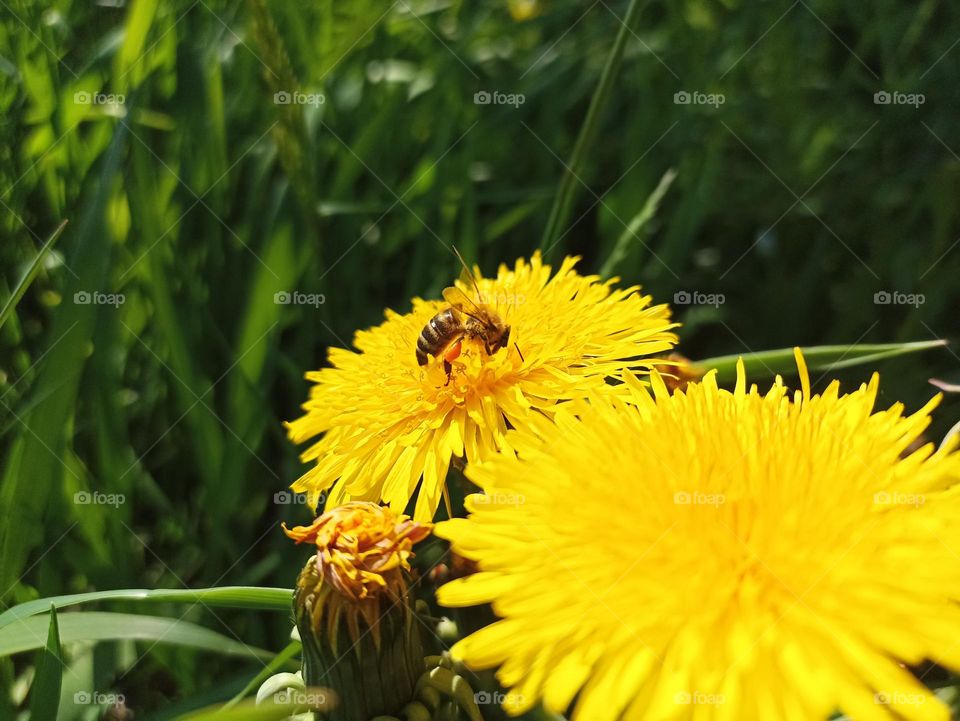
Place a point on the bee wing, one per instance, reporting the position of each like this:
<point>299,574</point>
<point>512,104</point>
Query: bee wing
<point>454,296</point>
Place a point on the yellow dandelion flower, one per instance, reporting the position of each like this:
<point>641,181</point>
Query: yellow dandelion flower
<point>386,422</point>
<point>710,554</point>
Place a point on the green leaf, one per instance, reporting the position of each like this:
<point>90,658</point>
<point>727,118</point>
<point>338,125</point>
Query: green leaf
<point>25,635</point>
<point>29,275</point>
<point>45,691</point>
<point>269,599</point>
<point>767,364</point>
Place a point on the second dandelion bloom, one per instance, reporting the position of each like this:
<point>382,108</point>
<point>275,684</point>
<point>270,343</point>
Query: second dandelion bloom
<point>385,422</point>
<point>717,555</point>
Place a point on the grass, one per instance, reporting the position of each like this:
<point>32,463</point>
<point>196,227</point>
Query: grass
<point>194,197</point>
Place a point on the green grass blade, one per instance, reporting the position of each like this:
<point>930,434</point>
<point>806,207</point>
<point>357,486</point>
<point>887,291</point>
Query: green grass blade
<point>271,668</point>
<point>29,275</point>
<point>254,597</point>
<point>45,690</point>
<point>247,712</point>
<point>27,634</point>
<point>826,358</point>
<point>631,232</point>
<point>129,61</point>
<point>29,481</point>
<point>563,202</point>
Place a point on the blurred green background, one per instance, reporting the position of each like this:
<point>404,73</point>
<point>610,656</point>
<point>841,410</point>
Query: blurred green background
<point>210,155</point>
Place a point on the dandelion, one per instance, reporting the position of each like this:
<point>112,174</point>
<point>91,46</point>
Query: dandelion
<point>717,555</point>
<point>353,608</point>
<point>386,422</point>
<point>357,620</point>
<point>363,553</point>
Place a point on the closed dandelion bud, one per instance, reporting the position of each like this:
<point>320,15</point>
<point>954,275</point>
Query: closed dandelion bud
<point>354,612</point>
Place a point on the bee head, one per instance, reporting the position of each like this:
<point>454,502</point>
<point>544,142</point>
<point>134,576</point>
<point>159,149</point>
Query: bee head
<point>499,334</point>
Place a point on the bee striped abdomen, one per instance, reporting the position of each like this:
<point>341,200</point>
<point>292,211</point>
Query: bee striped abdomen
<point>437,334</point>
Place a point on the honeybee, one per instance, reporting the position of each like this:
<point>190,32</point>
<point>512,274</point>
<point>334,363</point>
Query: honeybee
<point>465,318</point>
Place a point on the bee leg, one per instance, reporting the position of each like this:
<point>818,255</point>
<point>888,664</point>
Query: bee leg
<point>451,355</point>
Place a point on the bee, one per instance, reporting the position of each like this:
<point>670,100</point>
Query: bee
<point>465,318</point>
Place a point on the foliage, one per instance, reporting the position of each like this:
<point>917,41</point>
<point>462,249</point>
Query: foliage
<point>147,370</point>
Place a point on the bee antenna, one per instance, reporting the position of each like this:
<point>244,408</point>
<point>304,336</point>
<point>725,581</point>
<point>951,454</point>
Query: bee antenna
<point>473,280</point>
<point>524,360</point>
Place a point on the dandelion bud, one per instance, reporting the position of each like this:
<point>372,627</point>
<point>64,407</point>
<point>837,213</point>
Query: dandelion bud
<point>354,612</point>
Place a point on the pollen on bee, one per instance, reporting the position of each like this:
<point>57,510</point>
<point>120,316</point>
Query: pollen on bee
<point>453,352</point>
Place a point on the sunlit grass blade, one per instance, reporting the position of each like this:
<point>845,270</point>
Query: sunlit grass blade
<point>766,364</point>
<point>278,662</point>
<point>29,275</point>
<point>45,690</point>
<point>571,178</point>
<point>36,466</point>
<point>254,597</point>
<point>631,232</point>
<point>28,634</point>
<point>249,711</point>
<point>129,65</point>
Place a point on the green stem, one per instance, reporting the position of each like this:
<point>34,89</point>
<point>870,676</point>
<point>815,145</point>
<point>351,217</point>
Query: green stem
<point>563,202</point>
